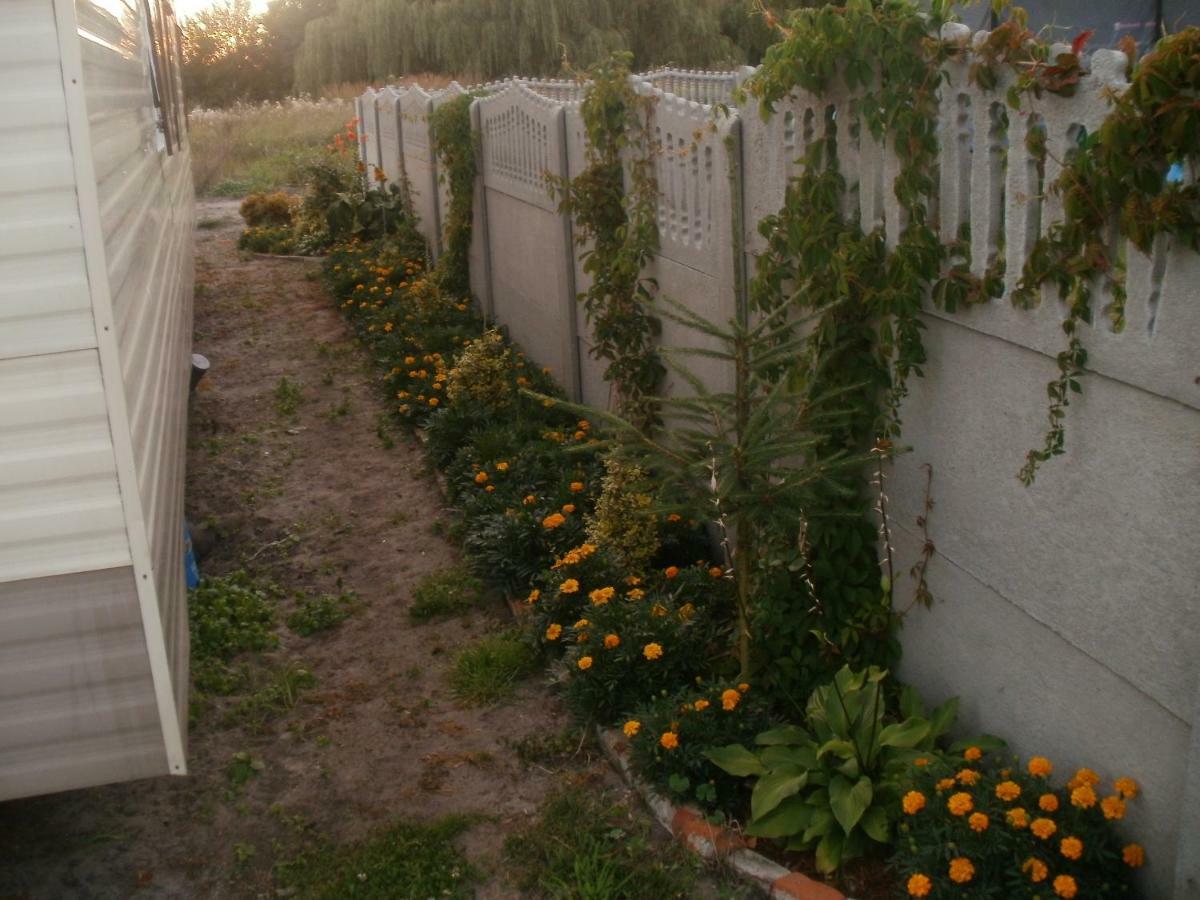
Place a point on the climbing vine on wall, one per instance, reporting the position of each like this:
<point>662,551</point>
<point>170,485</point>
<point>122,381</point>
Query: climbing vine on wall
<point>454,143</point>
<point>615,220</point>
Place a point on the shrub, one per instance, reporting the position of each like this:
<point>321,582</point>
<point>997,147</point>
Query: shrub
<point>268,239</point>
<point>274,208</point>
<point>986,827</point>
<point>624,522</point>
<point>483,372</point>
<point>320,613</point>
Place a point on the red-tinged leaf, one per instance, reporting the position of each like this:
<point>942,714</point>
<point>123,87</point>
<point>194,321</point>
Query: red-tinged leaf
<point>1080,42</point>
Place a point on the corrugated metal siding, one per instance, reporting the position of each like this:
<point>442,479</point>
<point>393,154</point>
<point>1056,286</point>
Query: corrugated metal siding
<point>45,306</point>
<point>146,213</point>
<point>77,704</point>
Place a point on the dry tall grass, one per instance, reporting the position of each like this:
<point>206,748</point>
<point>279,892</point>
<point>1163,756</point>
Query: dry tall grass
<point>260,147</point>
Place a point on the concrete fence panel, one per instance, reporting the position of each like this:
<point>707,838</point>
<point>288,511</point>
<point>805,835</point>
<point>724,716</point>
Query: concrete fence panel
<point>420,164</point>
<point>390,126</point>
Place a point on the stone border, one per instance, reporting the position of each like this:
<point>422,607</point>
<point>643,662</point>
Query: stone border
<point>712,841</point>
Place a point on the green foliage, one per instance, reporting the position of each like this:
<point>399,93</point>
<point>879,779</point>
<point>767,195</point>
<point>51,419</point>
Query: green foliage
<point>486,672</point>
<point>455,144</point>
<point>700,717</point>
<point>403,861</point>
<point>624,521</point>
<point>835,788</point>
<point>484,373</point>
<point>289,395</point>
<point>321,612</point>
<point>273,208</point>
<point>274,691</point>
<point>280,239</point>
<point>228,615</point>
<point>583,847</point>
<point>617,220</point>
<point>992,831</point>
<point>367,214</point>
<point>444,594</point>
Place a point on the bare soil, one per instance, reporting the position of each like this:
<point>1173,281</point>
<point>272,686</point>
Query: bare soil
<point>325,500</point>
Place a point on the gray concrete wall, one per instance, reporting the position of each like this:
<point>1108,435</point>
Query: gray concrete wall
<point>420,164</point>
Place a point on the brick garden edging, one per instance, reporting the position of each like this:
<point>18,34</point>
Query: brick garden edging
<point>712,841</point>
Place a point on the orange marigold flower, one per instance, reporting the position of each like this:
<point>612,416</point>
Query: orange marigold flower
<point>611,641</point>
<point>1043,828</point>
<point>978,822</point>
<point>632,579</point>
<point>701,705</point>
<point>491,488</point>
<point>669,740</point>
<point>972,753</point>
<point>730,699</point>
<point>533,596</point>
<point>674,517</point>
<point>1035,869</point>
<point>600,596</point>
<point>744,686</point>
<point>919,885</point>
<point>1064,886</point>
<point>632,727</point>
<point>1008,791</point>
<point>1126,787</point>
<point>1048,802</point>
<point>636,594</point>
<point>568,508</point>
<point>554,520</point>
<point>671,571</point>
<point>582,623</point>
<point>960,804</point>
<point>716,572</point>
<point>1134,855</point>
<point>652,651</point>
<point>921,762</point>
<point>576,487</point>
<point>502,467</point>
<point>1017,818</point>
<point>1113,807</point>
<point>962,870</point>
<point>481,477</point>
<point>658,610</point>
<point>585,663</point>
<point>570,586</point>
<point>434,401</point>
<point>945,784</point>
<point>1040,767</point>
<point>1071,847</point>
<point>1083,776</point>
<point>1083,797</point>
<point>553,632</point>
<point>913,802</point>
<point>967,777</point>
<point>529,500</point>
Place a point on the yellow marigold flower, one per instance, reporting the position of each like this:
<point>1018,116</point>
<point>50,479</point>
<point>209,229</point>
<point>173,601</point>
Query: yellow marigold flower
<point>652,651</point>
<point>632,727</point>
<point>1064,886</point>
<point>611,641</point>
<point>481,477</point>
<point>701,705</point>
<point>554,632</point>
<point>1035,869</point>
<point>913,802</point>
<point>501,467</point>
<point>1017,818</point>
<point>570,586</point>
<point>978,822</point>
<point>1043,828</point>
<point>568,508</point>
<point>921,762</point>
<point>1126,787</point>
<point>1008,791</point>
<point>962,870</point>
<point>533,596</point>
<point>945,784</point>
<point>636,594</point>
<point>960,804</point>
<point>529,500</point>
<point>1071,847</point>
<point>554,520</point>
<point>716,572</point>
<point>576,487</point>
<point>743,687</point>
<point>1134,855</point>
<point>730,699</point>
<point>1113,807</point>
<point>582,623</point>
<point>919,885</point>
<point>1040,767</point>
<point>972,753</point>
<point>669,740</point>
<point>1048,802</point>
<point>1083,797</point>
<point>600,596</point>
<point>671,571</point>
<point>585,663</point>
<point>967,777</point>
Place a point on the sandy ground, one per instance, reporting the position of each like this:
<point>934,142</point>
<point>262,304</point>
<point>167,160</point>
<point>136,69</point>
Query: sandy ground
<point>316,502</point>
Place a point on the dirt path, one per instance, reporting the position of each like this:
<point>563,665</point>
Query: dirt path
<point>325,500</point>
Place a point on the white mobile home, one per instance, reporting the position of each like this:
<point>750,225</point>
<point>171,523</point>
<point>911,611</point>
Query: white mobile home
<point>95,336</point>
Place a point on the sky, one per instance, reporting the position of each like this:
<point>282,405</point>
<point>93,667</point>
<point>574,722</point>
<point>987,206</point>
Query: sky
<point>186,8</point>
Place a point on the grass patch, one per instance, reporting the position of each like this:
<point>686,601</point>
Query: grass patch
<point>553,750</point>
<point>321,612</point>
<point>585,849</point>
<point>208,224</point>
<point>445,593</point>
<point>276,691</point>
<point>405,861</point>
<point>228,615</point>
<point>288,397</point>
<point>487,672</point>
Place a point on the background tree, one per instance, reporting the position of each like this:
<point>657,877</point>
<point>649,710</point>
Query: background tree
<point>225,56</point>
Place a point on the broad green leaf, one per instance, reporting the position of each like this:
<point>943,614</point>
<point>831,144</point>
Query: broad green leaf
<point>942,718</point>
<point>804,757</point>
<point>773,788</point>
<point>822,823</point>
<point>875,823</point>
<point>910,703</point>
<point>736,760</point>
<point>849,799</point>
<point>906,734</point>
<point>829,853</point>
<point>786,734</point>
<point>988,743</point>
<point>838,747</point>
<point>789,818</point>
